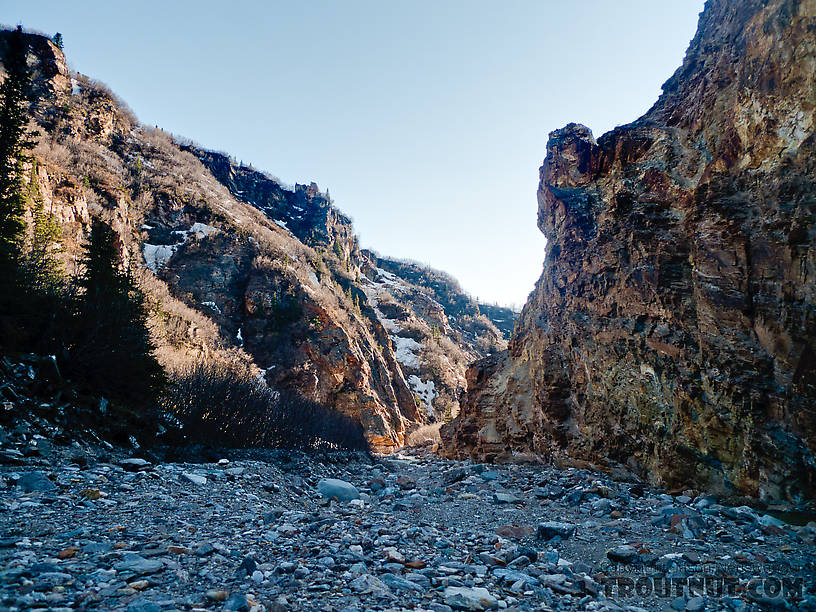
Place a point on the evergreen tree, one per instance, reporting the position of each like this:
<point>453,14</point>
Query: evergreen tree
<point>58,40</point>
<point>42,272</point>
<point>15,142</point>
<point>113,351</point>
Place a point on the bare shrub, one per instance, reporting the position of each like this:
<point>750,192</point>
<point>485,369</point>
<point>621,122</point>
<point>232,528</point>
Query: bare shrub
<point>223,406</point>
<point>424,435</point>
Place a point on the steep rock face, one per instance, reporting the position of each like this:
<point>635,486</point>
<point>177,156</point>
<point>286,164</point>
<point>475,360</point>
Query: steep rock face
<point>673,329</point>
<point>305,210</point>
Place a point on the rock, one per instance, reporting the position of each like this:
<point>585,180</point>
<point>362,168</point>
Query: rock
<point>135,464</point>
<point>237,602</point>
<point>333,488</point>
<point>195,479</point>
<point>367,584</point>
<point>143,605</point>
<point>695,604</point>
<point>465,598</point>
<point>35,481</point>
<point>551,529</point>
<point>505,498</point>
<point>247,567</point>
<point>769,521</point>
<point>396,583</point>
<point>392,555</point>
<point>138,565</point>
<point>623,554</point>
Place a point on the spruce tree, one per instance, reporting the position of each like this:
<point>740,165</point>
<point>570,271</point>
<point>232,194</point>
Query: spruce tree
<point>42,271</point>
<point>58,40</point>
<point>113,351</point>
<point>15,142</point>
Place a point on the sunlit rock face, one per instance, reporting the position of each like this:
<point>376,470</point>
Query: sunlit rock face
<point>673,330</point>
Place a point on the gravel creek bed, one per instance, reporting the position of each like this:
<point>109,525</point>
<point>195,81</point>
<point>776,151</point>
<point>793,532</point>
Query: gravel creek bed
<point>99,530</point>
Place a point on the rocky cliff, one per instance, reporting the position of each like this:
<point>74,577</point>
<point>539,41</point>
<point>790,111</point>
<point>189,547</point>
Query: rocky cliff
<point>240,268</point>
<point>673,329</point>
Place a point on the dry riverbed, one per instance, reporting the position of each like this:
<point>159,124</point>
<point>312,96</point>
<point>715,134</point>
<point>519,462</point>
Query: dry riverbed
<point>103,531</point>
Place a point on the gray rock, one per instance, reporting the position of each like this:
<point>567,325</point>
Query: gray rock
<point>505,498</point>
<point>97,547</point>
<point>466,598</point>
<point>623,554</point>
<point>695,604</point>
<point>551,529</point>
<point>370,585</point>
<point>334,488</point>
<point>196,479</point>
<point>393,581</point>
<point>237,602</point>
<point>35,481</point>
<point>139,565</point>
<point>143,605</point>
<point>509,575</point>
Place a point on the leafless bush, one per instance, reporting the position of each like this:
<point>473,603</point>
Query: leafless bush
<point>223,406</point>
<point>424,435</point>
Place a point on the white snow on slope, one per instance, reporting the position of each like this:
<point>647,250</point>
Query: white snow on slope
<point>426,390</point>
<point>405,348</point>
<point>157,255</point>
<point>212,305</point>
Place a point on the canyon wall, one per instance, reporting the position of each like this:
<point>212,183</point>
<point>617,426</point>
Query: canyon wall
<point>673,330</point>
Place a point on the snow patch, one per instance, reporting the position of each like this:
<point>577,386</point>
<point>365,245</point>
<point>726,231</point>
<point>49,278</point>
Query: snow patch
<point>313,278</point>
<point>426,390</point>
<point>405,348</point>
<point>199,230</point>
<point>202,230</point>
<point>212,306</point>
<point>157,255</point>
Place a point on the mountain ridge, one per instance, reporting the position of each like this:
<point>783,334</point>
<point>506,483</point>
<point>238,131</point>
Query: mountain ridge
<point>238,267</point>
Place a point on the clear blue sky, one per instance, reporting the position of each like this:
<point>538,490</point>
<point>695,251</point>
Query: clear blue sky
<point>427,120</point>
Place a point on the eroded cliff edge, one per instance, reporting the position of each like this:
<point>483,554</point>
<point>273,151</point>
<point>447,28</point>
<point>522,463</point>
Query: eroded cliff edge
<point>672,330</point>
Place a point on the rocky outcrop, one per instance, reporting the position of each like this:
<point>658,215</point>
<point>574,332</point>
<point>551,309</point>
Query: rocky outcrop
<point>673,330</point>
<point>436,329</point>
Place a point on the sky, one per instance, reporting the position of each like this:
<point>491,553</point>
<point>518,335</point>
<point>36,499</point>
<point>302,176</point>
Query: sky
<point>427,120</point>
